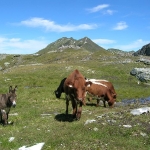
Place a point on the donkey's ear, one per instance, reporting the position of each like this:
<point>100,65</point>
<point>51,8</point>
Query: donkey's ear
<point>10,89</point>
<point>16,87</point>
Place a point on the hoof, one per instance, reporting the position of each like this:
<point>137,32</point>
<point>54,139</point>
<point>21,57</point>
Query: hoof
<point>76,119</point>
<point>11,123</point>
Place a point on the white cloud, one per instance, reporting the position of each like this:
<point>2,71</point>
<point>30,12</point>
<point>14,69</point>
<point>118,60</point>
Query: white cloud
<point>101,8</point>
<point>135,45</point>
<point>18,46</point>
<point>120,26</point>
<point>98,8</point>
<point>52,26</point>
<point>109,12</point>
<point>103,41</point>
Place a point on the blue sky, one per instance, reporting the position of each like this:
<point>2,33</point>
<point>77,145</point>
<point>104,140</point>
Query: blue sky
<point>27,26</point>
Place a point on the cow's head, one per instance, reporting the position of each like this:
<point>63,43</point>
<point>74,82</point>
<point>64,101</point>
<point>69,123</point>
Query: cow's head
<point>78,89</point>
<point>57,94</point>
<point>12,97</point>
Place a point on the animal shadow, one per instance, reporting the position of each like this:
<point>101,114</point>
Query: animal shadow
<point>90,104</point>
<point>64,118</point>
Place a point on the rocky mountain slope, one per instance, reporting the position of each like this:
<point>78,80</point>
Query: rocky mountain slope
<point>65,43</point>
<point>145,50</point>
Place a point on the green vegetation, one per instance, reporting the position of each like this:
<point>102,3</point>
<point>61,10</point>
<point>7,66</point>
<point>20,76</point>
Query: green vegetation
<point>41,117</point>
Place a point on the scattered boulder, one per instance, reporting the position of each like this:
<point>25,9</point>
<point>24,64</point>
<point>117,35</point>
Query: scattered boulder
<point>140,111</point>
<point>6,64</point>
<point>37,146</point>
<point>146,61</point>
<point>142,74</point>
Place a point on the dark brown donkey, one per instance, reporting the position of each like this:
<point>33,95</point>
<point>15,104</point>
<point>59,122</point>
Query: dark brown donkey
<point>6,102</point>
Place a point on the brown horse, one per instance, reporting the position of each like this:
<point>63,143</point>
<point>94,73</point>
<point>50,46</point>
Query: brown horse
<point>6,102</point>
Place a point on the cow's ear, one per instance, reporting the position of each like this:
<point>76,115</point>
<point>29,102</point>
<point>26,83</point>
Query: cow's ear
<point>88,84</point>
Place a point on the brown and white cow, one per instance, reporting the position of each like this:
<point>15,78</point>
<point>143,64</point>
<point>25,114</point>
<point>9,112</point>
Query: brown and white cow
<point>101,89</point>
<point>74,87</point>
<point>105,83</point>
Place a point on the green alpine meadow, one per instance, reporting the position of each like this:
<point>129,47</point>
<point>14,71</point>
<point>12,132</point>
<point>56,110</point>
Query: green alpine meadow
<point>39,117</point>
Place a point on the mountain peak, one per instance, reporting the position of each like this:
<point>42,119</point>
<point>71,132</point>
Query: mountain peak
<point>66,43</point>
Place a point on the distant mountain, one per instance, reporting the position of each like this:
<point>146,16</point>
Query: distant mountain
<point>70,43</point>
<point>145,50</point>
<point>118,51</point>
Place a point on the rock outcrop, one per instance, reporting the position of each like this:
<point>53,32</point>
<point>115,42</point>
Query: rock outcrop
<point>145,50</point>
<point>142,74</point>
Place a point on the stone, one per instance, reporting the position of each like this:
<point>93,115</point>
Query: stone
<point>142,74</point>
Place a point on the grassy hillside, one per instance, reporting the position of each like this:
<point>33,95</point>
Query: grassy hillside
<point>65,43</point>
<point>41,117</point>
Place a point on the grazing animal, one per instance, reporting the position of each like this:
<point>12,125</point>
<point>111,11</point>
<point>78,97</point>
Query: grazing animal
<point>7,101</point>
<point>100,91</point>
<point>60,89</point>
<point>107,83</point>
<point>75,91</point>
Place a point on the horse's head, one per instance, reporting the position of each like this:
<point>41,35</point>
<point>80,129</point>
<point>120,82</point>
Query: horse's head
<point>12,96</point>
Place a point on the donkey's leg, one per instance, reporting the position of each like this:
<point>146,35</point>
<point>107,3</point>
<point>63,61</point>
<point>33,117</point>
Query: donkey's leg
<point>4,120</point>
<point>11,122</point>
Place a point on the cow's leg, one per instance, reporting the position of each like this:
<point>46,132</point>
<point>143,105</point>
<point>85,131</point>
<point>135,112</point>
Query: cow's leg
<point>89,98</point>
<point>78,116</point>
<point>104,102</point>
<point>74,107</point>
<point>98,100</point>
<point>67,104</point>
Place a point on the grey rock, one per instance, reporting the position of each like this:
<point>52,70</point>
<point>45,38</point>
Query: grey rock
<point>145,50</point>
<point>142,74</point>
